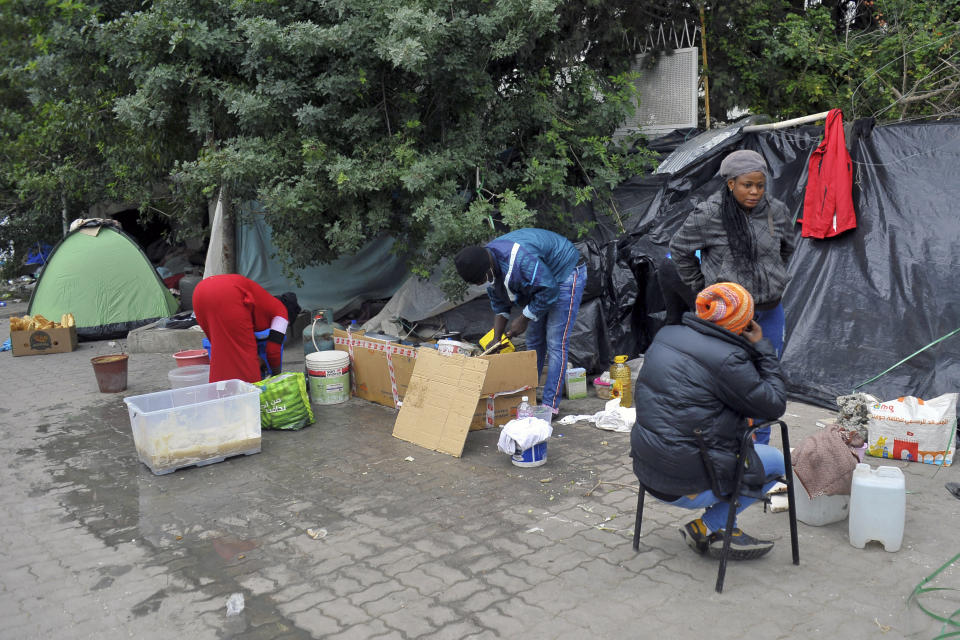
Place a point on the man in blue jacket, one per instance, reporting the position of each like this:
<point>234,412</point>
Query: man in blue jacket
<point>699,383</point>
<point>542,273</point>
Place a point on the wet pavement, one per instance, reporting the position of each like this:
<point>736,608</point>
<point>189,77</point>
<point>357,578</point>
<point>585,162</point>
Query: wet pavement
<point>96,546</point>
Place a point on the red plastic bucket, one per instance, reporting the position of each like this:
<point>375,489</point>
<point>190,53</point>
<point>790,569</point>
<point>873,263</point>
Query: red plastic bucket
<point>191,357</point>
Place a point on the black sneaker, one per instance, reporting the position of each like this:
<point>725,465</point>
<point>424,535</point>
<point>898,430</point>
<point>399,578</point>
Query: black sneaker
<point>742,546</point>
<point>695,533</point>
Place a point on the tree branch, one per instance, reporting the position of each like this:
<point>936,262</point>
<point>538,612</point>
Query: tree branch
<point>917,97</point>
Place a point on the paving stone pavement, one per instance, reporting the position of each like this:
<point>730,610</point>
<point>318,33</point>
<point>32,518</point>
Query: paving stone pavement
<point>93,545</point>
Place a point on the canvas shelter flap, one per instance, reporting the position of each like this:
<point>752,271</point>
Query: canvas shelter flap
<point>374,272</point>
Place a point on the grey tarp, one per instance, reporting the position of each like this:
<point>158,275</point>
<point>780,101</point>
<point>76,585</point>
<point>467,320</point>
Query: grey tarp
<point>373,273</point>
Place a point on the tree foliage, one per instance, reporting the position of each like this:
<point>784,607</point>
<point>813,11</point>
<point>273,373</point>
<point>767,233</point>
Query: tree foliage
<point>430,120</point>
<point>426,120</point>
<point>889,59</point>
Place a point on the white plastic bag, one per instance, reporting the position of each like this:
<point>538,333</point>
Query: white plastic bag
<point>913,429</point>
<point>235,604</point>
<point>616,418</point>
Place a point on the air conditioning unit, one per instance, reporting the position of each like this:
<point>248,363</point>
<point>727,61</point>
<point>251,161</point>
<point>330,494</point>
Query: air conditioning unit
<point>668,94</point>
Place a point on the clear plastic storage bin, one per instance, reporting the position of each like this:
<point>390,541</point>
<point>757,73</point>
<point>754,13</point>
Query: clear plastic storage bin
<point>196,425</point>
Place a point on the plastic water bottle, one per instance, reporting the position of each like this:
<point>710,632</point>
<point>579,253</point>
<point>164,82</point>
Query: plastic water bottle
<point>523,409</point>
<point>620,372</point>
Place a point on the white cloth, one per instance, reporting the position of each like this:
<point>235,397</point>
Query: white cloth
<point>280,324</point>
<point>523,433</point>
<point>612,418</point>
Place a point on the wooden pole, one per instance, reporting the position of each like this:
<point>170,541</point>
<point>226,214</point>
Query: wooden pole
<point>229,232</point>
<point>706,79</point>
<point>64,213</point>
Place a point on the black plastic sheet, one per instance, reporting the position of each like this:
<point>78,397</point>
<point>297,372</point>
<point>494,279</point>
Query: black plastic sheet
<point>589,345</point>
<point>859,303</point>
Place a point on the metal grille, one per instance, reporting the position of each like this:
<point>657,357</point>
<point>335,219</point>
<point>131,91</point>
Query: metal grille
<point>668,94</point>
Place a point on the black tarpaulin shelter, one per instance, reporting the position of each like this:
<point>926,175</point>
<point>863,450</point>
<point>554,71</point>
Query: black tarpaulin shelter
<point>860,303</point>
<point>856,304</point>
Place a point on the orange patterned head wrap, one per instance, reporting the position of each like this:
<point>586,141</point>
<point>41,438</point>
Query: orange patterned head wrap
<point>726,304</point>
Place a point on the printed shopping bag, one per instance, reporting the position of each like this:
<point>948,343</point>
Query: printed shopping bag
<point>284,403</point>
<point>914,429</point>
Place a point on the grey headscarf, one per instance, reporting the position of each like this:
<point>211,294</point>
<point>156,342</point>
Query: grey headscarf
<point>741,162</point>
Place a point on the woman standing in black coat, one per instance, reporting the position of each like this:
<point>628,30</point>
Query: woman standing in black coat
<point>709,373</point>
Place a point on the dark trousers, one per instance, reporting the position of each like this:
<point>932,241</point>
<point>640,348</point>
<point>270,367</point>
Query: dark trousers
<point>678,298</point>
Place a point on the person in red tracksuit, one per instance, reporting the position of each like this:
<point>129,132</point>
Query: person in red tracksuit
<point>229,308</point>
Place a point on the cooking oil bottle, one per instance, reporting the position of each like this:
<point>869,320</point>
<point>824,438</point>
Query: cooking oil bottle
<point>620,372</point>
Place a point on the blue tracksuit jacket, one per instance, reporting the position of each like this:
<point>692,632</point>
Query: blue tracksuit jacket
<point>531,264</point>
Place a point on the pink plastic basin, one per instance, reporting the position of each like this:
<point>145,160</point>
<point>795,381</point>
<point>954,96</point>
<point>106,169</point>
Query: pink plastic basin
<point>191,357</point>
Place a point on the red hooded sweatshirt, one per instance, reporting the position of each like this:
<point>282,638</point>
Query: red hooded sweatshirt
<point>828,202</point>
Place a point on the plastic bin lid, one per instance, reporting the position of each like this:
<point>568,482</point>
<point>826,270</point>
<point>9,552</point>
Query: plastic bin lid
<point>190,371</point>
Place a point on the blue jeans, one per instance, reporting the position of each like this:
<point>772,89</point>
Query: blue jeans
<point>715,516</point>
<point>772,323</point>
<point>551,334</point>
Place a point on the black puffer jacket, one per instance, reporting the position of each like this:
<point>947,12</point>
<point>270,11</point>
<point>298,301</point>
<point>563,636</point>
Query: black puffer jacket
<point>700,375</point>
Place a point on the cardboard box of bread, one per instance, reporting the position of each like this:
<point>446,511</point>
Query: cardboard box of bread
<point>32,336</point>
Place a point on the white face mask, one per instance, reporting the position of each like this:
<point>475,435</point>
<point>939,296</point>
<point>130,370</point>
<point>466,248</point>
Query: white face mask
<point>490,279</point>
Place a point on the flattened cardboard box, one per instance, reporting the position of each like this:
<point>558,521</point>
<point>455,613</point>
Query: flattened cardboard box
<point>369,370</point>
<point>43,341</point>
<point>448,395</point>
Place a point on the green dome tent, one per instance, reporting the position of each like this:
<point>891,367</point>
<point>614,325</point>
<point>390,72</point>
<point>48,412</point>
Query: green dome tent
<point>102,276</point>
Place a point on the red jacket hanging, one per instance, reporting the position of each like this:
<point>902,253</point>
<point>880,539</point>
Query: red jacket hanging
<point>828,202</point>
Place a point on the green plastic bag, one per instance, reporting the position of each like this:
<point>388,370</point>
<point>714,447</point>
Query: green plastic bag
<point>284,403</point>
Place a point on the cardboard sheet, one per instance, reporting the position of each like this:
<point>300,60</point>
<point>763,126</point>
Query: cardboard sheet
<point>449,395</point>
<point>371,362</point>
<point>440,401</point>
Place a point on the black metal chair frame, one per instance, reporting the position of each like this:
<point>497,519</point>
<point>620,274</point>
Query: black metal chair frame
<point>734,499</point>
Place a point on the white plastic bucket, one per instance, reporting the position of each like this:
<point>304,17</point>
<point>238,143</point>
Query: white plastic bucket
<point>328,376</point>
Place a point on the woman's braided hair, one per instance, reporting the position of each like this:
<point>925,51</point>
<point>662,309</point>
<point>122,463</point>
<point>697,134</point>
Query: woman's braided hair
<point>738,232</point>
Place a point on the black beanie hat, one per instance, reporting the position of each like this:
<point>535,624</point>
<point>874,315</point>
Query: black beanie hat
<point>472,264</point>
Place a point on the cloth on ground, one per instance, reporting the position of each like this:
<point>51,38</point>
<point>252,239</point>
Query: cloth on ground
<point>523,434</point>
<point>612,418</point>
<point>824,464</point>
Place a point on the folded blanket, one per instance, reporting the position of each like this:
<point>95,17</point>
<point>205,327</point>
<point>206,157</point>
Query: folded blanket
<point>824,464</point>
